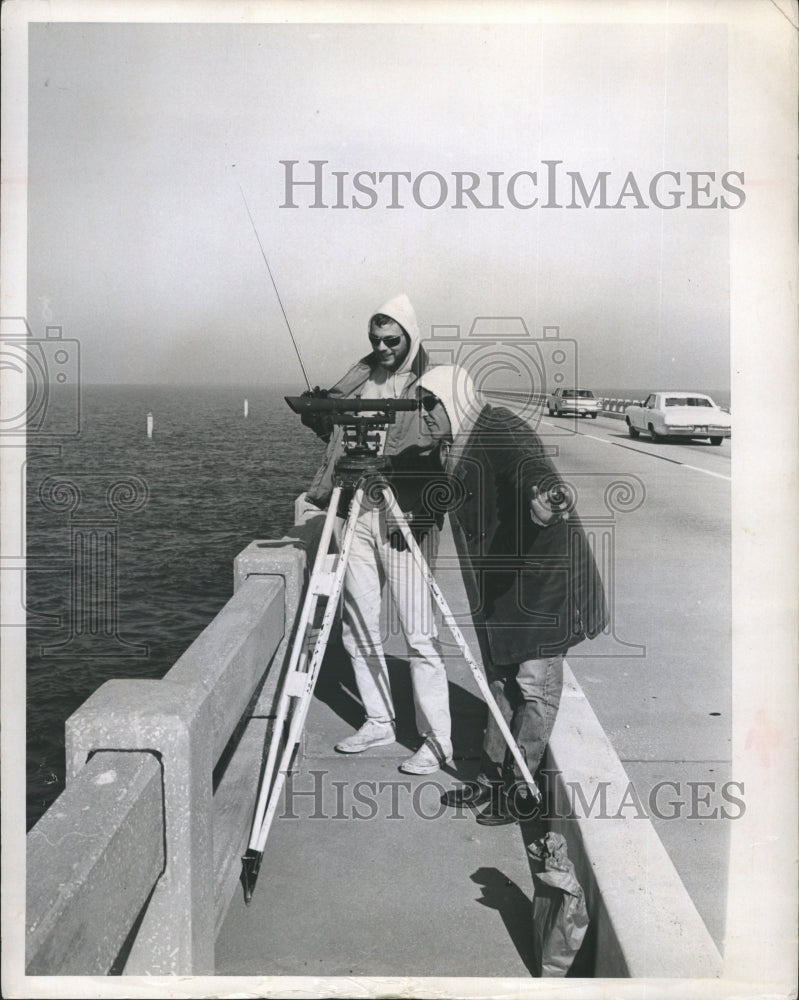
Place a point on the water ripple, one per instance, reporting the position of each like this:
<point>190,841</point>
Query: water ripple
<point>216,481</point>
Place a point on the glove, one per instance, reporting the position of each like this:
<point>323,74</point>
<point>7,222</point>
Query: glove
<point>319,423</point>
<point>315,393</point>
<point>420,528</point>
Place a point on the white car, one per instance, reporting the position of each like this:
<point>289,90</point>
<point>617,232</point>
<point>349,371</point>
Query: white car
<point>678,414</point>
<point>579,401</point>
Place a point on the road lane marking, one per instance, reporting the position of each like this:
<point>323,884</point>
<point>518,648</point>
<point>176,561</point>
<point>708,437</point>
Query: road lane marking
<point>674,461</point>
<point>651,454</point>
<point>707,472</point>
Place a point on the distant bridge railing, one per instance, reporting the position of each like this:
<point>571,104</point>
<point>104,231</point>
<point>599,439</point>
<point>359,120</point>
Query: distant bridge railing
<point>609,407</point>
<point>134,865</point>
<point>615,407</point>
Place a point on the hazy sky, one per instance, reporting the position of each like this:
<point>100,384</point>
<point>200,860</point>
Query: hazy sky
<point>141,248</point>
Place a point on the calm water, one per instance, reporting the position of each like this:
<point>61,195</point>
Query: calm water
<point>214,482</point>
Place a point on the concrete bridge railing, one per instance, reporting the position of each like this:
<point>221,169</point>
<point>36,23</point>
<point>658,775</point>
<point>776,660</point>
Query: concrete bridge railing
<point>610,407</point>
<point>615,407</point>
<point>135,863</point>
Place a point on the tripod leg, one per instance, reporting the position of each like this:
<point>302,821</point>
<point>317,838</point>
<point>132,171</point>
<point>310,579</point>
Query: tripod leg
<point>306,616</point>
<point>299,687</point>
<point>482,683</point>
<point>252,858</point>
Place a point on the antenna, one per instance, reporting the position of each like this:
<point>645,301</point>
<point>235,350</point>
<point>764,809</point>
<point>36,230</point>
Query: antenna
<point>277,293</point>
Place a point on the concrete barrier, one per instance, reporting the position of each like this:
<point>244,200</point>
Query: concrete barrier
<point>83,898</point>
<point>613,408</point>
<point>186,719</point>
<point>201,728</point>
<point>608,405</point>
<point>646,924</point>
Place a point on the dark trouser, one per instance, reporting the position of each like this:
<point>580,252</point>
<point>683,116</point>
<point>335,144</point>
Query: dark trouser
<point>528,696</point>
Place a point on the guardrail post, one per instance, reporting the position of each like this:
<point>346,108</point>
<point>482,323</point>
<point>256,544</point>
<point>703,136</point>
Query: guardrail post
<point>171,720</point>
<point>285,558</point>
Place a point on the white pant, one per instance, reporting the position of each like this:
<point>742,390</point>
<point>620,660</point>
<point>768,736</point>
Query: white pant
<point>372,562</point>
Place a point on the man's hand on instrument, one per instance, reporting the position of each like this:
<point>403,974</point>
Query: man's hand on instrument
<point>550,507</point>
<point>315,393</point>
<point>420,528</point>
<point>396,539</point>
<point>319,423</point>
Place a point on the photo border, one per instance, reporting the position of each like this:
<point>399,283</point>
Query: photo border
<point>761,913</point>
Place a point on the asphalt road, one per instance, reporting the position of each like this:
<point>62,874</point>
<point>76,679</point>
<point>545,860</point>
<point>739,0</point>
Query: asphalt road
<point>664,700</point>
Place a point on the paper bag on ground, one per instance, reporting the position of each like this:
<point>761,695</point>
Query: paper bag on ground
<point>560,917</point>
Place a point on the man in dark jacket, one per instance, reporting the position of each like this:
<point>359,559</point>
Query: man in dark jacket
<point>528,569</point>
<point>379,553</point>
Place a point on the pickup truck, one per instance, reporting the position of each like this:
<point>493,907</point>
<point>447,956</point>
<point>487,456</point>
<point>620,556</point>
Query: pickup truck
<point>666,415</point>
<point>579,401</point>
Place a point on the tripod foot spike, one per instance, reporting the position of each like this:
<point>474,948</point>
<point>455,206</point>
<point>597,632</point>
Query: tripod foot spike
<point>250,865</point>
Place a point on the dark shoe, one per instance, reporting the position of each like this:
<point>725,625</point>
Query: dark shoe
<point>520,802</point>
<point>497,812</point>
<point>509,806</point>
<point>472,794</point>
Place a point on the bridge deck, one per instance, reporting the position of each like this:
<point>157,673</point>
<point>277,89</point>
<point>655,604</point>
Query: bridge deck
<point>364,872</point>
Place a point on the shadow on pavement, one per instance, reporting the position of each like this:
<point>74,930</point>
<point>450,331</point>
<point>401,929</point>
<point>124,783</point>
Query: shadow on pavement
<point>336,688</point>
<point>503,895</point>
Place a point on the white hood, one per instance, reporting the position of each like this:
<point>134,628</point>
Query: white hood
<point>401,311</point>
<point>454,387</point>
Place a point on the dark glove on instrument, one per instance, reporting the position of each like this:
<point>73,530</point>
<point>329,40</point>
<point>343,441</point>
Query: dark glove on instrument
<point>420,528</point>
<point>319,423</point>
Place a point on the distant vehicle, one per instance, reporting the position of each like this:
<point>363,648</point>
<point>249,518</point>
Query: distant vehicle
<point>579,401</point>
<point>678,414</point>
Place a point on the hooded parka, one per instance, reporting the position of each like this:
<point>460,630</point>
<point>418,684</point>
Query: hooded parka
<point>407,434</point>
<point>534,591</point>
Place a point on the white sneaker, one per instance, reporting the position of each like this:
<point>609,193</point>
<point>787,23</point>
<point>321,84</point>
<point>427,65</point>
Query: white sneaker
<point>371,734</point>
<point>428,758</point>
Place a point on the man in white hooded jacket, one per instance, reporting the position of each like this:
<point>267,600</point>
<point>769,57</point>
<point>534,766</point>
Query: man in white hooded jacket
<point>379,553</point>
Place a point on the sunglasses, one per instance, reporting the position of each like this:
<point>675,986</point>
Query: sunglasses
<point>428,402</point>
<point>392,341</point>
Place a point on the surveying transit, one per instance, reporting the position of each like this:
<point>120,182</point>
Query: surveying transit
<point>361,469</point>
